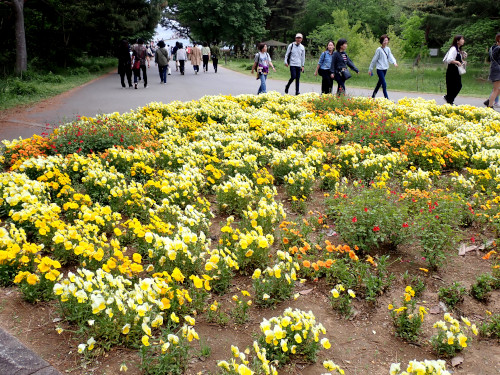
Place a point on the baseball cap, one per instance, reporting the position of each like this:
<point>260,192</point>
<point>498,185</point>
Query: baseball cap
<point>299,35</point>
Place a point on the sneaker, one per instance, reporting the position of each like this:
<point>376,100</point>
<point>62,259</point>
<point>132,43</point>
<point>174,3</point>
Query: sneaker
<point>286,90</point>
<point>135,85</point>
<point>145,85</point>
<point>487,102</point>
<point>496,105</point>
<point>297,93</point>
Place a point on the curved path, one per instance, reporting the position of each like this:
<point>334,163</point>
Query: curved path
<point>105,95</point>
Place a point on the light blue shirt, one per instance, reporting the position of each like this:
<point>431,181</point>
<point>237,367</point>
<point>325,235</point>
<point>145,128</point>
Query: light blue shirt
<point>382,58</point>
<point>325,60</point>
<point>297,55</point>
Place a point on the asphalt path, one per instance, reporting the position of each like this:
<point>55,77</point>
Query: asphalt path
<point>105,95</point>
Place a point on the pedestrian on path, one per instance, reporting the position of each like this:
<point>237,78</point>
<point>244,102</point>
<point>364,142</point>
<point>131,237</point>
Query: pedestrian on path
<point>161,58</point>
<point>455,58</point>
<point>140,56</point>
<point>295,58</point>
<point>381,60</point>
<point>195,58</point>
<point>205,51</point>
<point>323,68</point>
<point>340,62</point>
<point>215,53</point>
<point>181,57</point>
<point>494,77</point>
<point>261,64</point>
<point>124,63</point>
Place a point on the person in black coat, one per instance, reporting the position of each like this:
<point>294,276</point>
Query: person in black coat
<point>340,62</point>
<point>124,63</point>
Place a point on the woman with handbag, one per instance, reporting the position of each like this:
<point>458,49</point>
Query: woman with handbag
<point>381,60</point>
<point>494,77</point>
<point>140,55</point>
<point>340,62</point>
<point>323,67</point>
<point>262,62</point>
<point>162,58</point>
<point>456,67</point>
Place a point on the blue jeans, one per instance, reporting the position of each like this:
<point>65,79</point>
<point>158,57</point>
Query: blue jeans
<point>163,73</point>
<point>137,72</point>
<point>294,75</point>
<point>262,88</point>
<point>381,82</point>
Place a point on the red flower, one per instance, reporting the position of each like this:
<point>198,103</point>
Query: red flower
<point>376,228</point>
<point>354,219</point>
<point>366,209</point>
<point>405,225</point>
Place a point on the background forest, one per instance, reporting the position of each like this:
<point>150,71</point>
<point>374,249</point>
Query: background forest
<point>58,33</point>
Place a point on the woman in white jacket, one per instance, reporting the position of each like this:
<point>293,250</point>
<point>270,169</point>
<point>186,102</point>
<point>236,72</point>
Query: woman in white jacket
<point>454,58</point>
<point>381,60</point>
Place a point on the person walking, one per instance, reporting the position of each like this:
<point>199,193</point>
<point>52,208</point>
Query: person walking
<point>494,77</point>
<point>381,60</point>
<point>195,58</point>
<point>340,62</point>
<point>124,63</point>
<point>181,57</point>
<point>295,58</point>
<point>174,55</point>
<point>261,64</point>
<point>205,51</point>
<point>455,59</point>
<point>215,53</point>
<point>140,56</point>
<point>161,58</point>
<point>323,68</point>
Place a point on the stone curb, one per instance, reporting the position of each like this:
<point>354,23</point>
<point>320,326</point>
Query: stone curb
<point>17,359</point>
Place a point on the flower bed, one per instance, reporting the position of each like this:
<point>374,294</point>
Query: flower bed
<point>112,216</point>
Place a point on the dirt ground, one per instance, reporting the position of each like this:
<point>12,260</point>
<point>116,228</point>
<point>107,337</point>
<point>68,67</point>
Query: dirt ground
<point>365,344</point>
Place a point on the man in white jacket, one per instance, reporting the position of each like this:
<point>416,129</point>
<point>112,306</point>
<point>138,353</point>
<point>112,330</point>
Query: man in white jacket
<point>295,58</point>
<point>381,60</point>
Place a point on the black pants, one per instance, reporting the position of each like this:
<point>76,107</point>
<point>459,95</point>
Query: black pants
<point>215,61</point>
<point>137,74</point>
<point>294,75</point>
<point>205,63</point>
<point>341,83</point>
<point>181,66</point>
<point>453,83</point>
<point>125,70</point>
<point>326,81</point>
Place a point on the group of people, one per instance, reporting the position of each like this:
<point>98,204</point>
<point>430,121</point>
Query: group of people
<point>197,55</point>
<point>334,62</point>
<point>134,59</point>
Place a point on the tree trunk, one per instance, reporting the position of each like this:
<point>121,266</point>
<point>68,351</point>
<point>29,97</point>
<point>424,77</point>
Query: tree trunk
<point>21,54</point>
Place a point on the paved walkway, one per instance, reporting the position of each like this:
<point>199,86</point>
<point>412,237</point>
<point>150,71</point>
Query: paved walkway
<point>105,95</point>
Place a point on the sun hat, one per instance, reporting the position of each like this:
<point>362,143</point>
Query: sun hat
<point>298,35</point>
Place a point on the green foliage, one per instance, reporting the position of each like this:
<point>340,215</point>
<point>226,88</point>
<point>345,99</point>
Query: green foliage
<point>482,287</point>
<point>479,36</point>
<point>156,360</point>
<point>491,327</point>
<point>232,22</point>
<point>406,319</point>
<point>85,137</point>
<point>369,217</point>
<point>413,36</point>
<point>452,295</point>
<point>359,40</point>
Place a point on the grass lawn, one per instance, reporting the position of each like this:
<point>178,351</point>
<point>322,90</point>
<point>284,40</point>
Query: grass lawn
<point>429,78</point>
<point>35,86</point>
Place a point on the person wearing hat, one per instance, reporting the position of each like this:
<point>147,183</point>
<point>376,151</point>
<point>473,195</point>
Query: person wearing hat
<point>161,58</point>
<point>295,58</point>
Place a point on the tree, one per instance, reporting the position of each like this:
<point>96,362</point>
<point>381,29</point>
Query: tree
<point>21,52</point>
<point>414,45</point>
<point>282,21</point>
<point>231,21</point>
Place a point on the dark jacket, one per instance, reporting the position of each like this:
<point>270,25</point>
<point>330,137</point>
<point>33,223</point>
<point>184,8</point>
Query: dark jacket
<point>124,60</point>
<point>338,63</point>
<point>494,57</point>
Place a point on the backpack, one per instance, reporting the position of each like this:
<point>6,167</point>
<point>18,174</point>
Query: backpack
<point>290,48</point>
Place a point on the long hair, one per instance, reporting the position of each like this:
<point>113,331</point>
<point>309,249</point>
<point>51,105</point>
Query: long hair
<point>340,43</point>
<point>455,42</point>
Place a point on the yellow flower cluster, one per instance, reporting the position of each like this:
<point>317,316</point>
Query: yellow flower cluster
<point>426,367</point>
